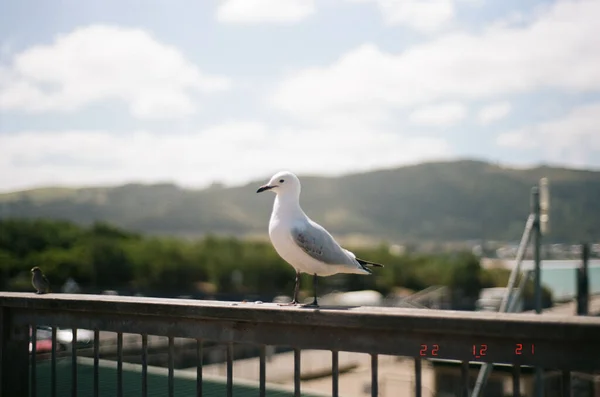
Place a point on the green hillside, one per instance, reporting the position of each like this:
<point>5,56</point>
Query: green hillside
<point>445,201</point>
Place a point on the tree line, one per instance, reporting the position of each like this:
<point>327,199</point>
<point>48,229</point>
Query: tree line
<point>426,203</point>
<point>102,256</point>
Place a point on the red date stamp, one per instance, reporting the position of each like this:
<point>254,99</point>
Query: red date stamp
<point>520,346</point>
<point>427,351</point>
<point>478,351</point>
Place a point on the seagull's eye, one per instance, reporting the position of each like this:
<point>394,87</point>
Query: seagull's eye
<point>281,181</point>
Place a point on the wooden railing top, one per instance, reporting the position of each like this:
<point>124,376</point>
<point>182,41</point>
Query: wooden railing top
<point>362,317</point>
<point>569,341</point>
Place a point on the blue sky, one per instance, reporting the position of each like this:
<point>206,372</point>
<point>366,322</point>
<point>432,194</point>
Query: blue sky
<point>97,93</point>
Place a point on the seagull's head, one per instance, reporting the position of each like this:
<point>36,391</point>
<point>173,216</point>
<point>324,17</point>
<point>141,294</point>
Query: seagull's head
<point>283,182</point>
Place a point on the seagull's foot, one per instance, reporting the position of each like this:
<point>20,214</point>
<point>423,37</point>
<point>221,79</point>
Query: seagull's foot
<point>313,304</point>
<point>292,303</point>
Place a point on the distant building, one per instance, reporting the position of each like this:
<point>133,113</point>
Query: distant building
<point>490,299</point>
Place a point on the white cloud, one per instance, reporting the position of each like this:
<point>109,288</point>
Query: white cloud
<point>422,15</point>
<point>515,139</point>
<point>444,114</point>
<point>456,67</point>
<point>98,63</point>
<point>494,112</point>
<point>232,153</point>
<point>571,139</point>
<point>264,11</point>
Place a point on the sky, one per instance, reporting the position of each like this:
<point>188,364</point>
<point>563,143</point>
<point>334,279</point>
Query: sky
<point>228,91</point>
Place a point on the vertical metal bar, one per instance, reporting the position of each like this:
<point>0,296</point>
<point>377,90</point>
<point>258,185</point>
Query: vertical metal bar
<point>33,389</point>
<point>464,379</point>
<point>296,372</point>
<point>171,366</point>
<point>119,364</point>
<point>262,372</point>
<point>516,380</point>
<point>144,365</point>
<point>229,369</point>
<point>583,281</point>
<point>335,373</point>
<point>537,241</point>
<point>199,363</point>
<point>74,363</point>
<point>566,383</point>
<point>539,385</point>
<point>96,363</point>
<point>53,364</point>
<point>417,377</point>
<point>374,376</point>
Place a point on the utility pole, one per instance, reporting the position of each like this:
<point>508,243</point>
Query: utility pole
<point>537,243</point>
<point>583,281</point>
<point>537,297</point>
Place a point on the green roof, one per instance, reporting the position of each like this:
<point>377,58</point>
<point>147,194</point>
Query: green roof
<point>184,381</point>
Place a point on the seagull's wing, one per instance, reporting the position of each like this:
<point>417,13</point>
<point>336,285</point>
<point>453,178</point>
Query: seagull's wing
<point>319,244</point>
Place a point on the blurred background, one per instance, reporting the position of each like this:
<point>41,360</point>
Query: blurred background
<point>133,136</point>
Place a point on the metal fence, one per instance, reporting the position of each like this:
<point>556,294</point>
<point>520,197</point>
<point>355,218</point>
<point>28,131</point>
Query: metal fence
<point>562,344</point>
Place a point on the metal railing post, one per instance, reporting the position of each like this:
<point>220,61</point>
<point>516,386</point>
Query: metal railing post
<point>537,244</point>
<point>583,282</point>
<point>14,356</point>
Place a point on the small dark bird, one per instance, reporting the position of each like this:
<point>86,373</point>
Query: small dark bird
<point>39,281</point>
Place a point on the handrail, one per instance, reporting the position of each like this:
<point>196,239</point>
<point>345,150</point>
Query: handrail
<point>383,330</point>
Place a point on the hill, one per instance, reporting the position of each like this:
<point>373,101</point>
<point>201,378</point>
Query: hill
<point>443,201</point>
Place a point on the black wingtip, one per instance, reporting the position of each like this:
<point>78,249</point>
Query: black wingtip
<point>365,263</point>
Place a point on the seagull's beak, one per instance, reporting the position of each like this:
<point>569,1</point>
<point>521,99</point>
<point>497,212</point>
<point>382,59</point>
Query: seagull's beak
<point>264,187</point>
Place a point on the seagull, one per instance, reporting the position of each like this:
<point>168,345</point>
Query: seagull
<point>303,243</point>
<point>39,281</point>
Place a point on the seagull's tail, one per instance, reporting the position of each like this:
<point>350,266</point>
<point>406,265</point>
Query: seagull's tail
<point>365,264</point>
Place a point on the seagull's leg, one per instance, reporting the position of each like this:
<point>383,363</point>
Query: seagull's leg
<point>315,283</point>
<point>296,288</point>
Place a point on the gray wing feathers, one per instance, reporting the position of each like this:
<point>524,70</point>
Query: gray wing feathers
<point>318,243</point>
